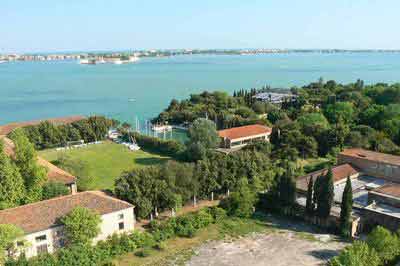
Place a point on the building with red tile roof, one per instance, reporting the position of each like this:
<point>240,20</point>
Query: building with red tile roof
<point>241,136</point>
<point>41,220</point>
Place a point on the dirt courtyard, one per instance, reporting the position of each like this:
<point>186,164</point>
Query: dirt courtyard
<point>279,248</point>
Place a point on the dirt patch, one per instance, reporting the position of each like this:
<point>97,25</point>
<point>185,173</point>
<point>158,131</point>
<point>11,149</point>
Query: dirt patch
<point>280,248</point>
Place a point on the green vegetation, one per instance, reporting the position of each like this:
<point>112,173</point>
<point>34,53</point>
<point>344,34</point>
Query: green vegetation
<point>48,135</point>
<point>81,226</point>
<point>9,233</point>
<point>381,248</point>
<point>102,162</point>
<point>54,189</point>
<point>346,209</point>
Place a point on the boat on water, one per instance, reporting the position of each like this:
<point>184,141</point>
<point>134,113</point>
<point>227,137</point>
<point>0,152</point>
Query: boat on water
<point>87,61</point>
<point>161,128</point>
<point>2,61</point>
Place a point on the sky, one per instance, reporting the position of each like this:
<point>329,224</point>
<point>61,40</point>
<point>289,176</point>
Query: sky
<point>84,25</point>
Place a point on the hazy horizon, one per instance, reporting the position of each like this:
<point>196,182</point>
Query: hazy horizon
<point>99,25</point>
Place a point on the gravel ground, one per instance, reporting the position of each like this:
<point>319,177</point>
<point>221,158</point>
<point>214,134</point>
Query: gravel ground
<point>280,248</point>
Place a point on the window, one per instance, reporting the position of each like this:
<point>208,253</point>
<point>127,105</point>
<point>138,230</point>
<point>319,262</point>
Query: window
<point>40,238</point>
<point>121,226</point>
<point>121,216</point>
<point>41,249</point>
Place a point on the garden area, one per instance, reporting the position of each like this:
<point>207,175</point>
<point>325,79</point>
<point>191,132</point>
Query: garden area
<point>104,162</point>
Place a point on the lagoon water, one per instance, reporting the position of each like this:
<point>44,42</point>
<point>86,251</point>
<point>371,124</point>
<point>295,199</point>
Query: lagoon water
<point>36,90</point>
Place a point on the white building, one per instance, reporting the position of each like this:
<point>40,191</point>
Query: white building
<point>41,220</point>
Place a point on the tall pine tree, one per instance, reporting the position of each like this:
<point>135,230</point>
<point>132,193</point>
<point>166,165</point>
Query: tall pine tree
<point>310,206</point>
<point>325,195</point>
<point>11,182</point>
<point>345,209</point>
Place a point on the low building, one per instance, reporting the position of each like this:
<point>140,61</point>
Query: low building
<point>238,137</point>
<point>41,220</point>
<point>275,98</point>
<point>373,163</point>
<point>375,180</point>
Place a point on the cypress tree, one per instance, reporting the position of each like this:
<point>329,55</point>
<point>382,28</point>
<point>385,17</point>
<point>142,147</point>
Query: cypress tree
<point>287,189</point>
<point>326,195</point>
<point>345,209</point>
<point>310,206</point>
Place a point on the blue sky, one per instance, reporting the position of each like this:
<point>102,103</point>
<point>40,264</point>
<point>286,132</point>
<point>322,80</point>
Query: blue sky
<point>71,25</point>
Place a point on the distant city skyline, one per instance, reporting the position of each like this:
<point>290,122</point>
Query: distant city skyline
<point>99,25</point>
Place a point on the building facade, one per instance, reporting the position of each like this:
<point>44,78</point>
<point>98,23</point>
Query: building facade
<point>45,234</point>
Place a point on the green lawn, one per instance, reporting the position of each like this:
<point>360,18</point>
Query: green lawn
<point>107,161</point>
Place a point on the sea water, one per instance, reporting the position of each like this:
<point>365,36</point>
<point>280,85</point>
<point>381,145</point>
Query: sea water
<point>38,90</point>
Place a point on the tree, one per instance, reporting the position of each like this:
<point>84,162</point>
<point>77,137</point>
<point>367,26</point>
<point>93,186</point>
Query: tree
<point>54,189</point>
<point>9,233</point>
<point>310,205</point>
<point>33,174</point>
<point>287,189</point>
<point>346,208</point>
<point>358,254</point>
<point>386,244</point>
<point>11,183</point>
<point>241,202</point>
<point>340,111</point>
<point>81,225</point>
<point>204,131</point>
<point>325,195</point>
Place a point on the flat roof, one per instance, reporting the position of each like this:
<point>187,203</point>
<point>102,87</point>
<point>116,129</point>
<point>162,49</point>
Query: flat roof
<point>5,129</point>
<point>384,209</point>
<point>372,156</point>
<point>42,215</point>
<point>390,189</point>
<point>244,131</point>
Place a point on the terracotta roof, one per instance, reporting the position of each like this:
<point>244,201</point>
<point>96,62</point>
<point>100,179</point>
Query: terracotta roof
<point>53,174</point>
<point>5,129</point>
<point>244,131</point>
<point>372,156</point>
<point>390,189</point>
<point>42,215</point>
<point>339,172</point>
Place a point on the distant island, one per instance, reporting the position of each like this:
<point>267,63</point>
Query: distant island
<point>170,52</point>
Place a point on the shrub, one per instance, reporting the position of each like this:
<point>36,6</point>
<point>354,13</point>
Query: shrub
<point>202,219</point>
<point>145,252</point>
<point>358,254</point>
<point>218,214</point>
<point>54,189</point>
<point>142,239</point>
<point>161,246</point>
<point>386,244</point>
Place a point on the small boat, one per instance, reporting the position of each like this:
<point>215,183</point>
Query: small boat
<point>2,61</point>
<point>161,128</point>
<point>87,61</point>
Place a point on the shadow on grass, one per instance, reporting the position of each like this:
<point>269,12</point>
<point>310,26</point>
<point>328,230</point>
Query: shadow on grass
<point>150,161</point>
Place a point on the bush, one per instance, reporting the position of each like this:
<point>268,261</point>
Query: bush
<point>145,252</point>
<point>142,239</point>
<point>358,254</point>
<point>386,244</point>
<point>161,246</point>
<point>218,214</point>
<point>54,189</point>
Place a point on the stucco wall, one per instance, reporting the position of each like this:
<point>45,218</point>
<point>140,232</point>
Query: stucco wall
<point>55,236</point>
<point>377,169</point>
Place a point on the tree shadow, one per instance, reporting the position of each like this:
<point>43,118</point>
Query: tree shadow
<point>324,254</point>
<point>150,161</point>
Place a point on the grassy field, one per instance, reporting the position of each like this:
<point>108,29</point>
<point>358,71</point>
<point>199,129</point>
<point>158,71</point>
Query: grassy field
<point>107,161</point>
